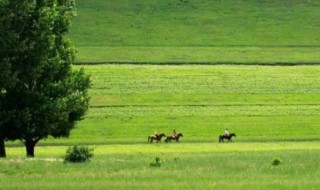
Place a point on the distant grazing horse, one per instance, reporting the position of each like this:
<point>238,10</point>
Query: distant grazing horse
<point>156,137</point>
<point>176,138</point>
<point>229,138</point>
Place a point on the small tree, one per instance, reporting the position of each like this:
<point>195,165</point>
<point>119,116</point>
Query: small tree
<point>78,154</point>
<point>156,163</point>
<point>48,96</point>
<point>276,161</point>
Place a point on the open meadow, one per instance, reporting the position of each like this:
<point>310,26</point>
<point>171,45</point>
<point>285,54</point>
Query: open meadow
<point>259,103</point>
<point>273,110</point>
<point>183,166</point>
<point>197,67</point>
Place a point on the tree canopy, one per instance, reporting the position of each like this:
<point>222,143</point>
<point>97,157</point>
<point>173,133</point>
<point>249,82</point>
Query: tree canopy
<point>41,95</point>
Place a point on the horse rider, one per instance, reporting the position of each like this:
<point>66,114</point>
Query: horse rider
<point>226,132</point>
<point>156,133</point>
<point>174,134</point>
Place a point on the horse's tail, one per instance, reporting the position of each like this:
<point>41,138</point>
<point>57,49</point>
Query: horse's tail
<point>220,138</point>
<point>148,138</point>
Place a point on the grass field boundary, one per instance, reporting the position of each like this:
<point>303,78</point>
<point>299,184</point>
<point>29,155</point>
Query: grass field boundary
<point>197,105</point>
<point>186,142</point>
<point>198,63</point>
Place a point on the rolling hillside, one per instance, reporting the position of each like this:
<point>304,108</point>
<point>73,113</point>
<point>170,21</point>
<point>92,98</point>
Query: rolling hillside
<point>243,31</point>
<point>180,77</point>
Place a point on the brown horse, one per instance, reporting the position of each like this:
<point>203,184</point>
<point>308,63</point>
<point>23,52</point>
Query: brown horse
<point>229,137</point>
<point>176,138</point>
<point>157,137</point>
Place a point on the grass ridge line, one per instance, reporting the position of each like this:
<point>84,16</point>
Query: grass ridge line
<point>204,46</point>
<point>197,63</point>
<point>199,105</point>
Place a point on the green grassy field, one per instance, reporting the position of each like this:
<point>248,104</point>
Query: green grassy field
<point>184,166</point>
<point>259,103</point>
<point>202,31</point>
<point>274,110</point>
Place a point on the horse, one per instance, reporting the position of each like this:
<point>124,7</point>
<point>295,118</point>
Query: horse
<point>156,137</point>
<point>229,137</point>
<point>176,138</point>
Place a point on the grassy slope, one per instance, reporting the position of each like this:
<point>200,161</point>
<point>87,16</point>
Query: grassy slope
<point>257,102</point>
<point>197,31</point>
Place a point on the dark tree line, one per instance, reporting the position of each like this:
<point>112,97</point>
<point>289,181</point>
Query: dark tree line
<point>40,94</point>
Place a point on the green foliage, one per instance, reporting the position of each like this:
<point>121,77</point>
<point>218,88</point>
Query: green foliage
<point>46,96</point>
<point>156,163</point>
<point>276,162</point>
<point>78,154</point>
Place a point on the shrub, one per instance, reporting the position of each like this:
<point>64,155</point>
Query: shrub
<point>156,162</point>
<point>78,154</point>
<point>276,161</point>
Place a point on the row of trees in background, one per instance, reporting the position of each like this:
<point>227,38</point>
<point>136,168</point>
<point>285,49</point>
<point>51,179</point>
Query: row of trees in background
<point>40,94</point>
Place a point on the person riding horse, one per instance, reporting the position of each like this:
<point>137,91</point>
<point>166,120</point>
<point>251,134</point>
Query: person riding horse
<point>156,133</point>
<point>174,134</point>
<point>156,137</point>
<point>174,137</point>
<point>226,132</point>
<point>228,137</point>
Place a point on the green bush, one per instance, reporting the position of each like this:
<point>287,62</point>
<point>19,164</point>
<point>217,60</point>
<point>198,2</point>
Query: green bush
<point>156,162</point>
<point>78,154</point>
<point>276,161</point>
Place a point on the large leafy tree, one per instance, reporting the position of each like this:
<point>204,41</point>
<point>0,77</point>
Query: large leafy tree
<point>47,96</point>
<point>7,76</point>
<point>7,79</point>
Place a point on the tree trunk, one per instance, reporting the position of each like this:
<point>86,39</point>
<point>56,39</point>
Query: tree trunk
<point>2,148</point>
<point>30,144</point>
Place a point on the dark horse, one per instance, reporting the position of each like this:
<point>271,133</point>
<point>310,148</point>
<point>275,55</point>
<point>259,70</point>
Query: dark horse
<point>229,138</point>
<point>176,138</point>
<point>156,137</point>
